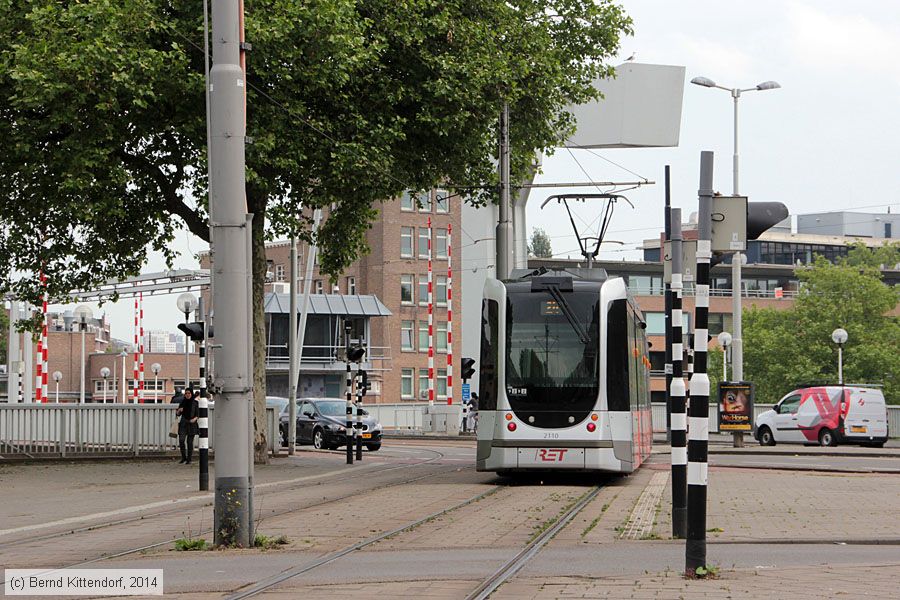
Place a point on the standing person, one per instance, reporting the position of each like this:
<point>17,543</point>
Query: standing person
<point>473,412</point>
<point>177,397</point>
<point>189,410</point>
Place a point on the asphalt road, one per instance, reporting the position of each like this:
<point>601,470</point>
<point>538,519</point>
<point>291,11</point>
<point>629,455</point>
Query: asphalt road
<point>808,461</point>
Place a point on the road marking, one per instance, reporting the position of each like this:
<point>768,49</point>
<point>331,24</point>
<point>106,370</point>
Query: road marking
<point>163,503</point>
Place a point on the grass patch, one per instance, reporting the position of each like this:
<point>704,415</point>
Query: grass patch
<point>268,542</point>
<point>190,544</point>
<point>707,572</point>
<point>715,530</point>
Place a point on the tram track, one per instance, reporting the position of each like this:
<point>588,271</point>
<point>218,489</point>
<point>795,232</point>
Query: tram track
<point>273,514</point>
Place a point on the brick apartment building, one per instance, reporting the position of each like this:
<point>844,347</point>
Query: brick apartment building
<point>385,294</point>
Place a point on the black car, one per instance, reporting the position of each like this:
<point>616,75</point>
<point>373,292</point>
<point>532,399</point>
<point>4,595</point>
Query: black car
<point>321,422</point>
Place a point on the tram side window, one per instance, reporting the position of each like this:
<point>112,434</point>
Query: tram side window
<point>487,377</point>
<point>617,351</point>
<point>634,370</point>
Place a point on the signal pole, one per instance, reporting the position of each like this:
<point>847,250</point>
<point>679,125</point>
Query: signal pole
<point>698,430</point>
<point>677,389</point>
<point>230,223</point>
<point>668,307</point>
<point>349,392</point>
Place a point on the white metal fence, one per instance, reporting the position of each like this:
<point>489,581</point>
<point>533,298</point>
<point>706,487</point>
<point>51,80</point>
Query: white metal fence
<point>43,430</point>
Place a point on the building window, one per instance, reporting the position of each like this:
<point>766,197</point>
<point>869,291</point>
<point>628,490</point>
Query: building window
<point>423,242</point>
<point>656,323</point>
<point>423,384</point>
<point>425,202</point>
<point>406,384</point>
<point>111,386</point>
<point>351,286</point>
<point>440,244</point>
<point>440,336</point>
<point>423,290</point>
<point>440,290</point>
<point>407,202</point>
<point>423,336</point>
<point>440,383</point>
<point>406,289</point>
<point>319,286</point>
<point>279,272</point>
<point>442,198</point>
<point>406,336</point>
<point>406,242</point>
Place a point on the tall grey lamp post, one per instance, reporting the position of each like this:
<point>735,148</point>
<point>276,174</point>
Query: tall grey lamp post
<point>82,315</point>
<point>105,373</point>
<point>187,303</point>
<point>839,336</point>
<point>156,368</point>
<point>737,344</point>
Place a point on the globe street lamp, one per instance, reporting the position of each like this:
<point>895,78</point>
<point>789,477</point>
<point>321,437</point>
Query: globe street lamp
<point>724,341</point>
<point>83,314</point>
<point>57,377</point>
<point>839,337</point>
<point>156,368</point>
<point>737,348</point>
<point>104,373</point>
<point>187,303</point>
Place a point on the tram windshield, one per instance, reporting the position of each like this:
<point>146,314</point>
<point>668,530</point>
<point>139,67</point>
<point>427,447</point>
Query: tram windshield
<point>552,361</point>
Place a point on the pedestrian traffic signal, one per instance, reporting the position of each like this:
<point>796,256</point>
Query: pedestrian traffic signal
<point>468,368</point>
<point>193,330</point>
<point>761,216</point>
<point>355,353</point>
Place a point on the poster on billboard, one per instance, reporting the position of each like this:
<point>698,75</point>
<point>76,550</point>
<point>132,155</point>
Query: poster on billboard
<point>735,406</point>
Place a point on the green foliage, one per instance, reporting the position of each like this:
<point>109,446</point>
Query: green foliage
<point>540,244</point>
<point>783,349</point>
<point>189,544</point>
<point>269,542</point>
<point>4,334</point>
<point>349,102</point>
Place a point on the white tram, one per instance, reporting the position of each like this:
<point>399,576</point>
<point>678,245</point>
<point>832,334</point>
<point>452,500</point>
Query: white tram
<point>564,374</point>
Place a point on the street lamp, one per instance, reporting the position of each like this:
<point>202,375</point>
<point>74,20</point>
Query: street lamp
<point>124,355</point>
<point>187,303</point>
<point>156,368</point>
<point>839,337</point>
<point>725,341</point>
<point>57,377</point>
<point>104,373</point>
<point>83,314</point>
<point>737,348</point>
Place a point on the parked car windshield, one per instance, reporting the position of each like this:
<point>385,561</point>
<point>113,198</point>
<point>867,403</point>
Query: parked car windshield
<point>277,402</point>
<point>332,408</point>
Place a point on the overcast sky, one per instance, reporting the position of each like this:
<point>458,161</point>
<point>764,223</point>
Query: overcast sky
<point>827,140</point>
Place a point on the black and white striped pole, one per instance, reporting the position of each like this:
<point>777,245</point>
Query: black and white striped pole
<point>677,389</point>
<point>668,308</point>
<point>349,430</point>
<point>361,385</point>
<point>698,422</point>
<point>203,404</point>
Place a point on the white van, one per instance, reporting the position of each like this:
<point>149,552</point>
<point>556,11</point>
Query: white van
<point>826,415</point>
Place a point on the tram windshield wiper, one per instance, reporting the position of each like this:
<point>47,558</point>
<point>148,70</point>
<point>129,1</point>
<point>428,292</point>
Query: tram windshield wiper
<point>570,316</point>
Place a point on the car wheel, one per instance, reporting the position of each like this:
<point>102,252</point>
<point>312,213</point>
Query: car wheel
<point>319,440</point>
<point>373,447</point>
<point>826,438</point>
<point>765,437</point>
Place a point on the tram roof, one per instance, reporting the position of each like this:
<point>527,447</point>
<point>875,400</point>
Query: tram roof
<point>576,273</point>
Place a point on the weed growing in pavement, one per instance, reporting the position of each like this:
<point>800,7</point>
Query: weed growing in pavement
<point>651,536</point>
<point>188,541</point>
<point>715,530</point>
<point>707,572</point>
<point>267,543</point>
<point>590,527</point>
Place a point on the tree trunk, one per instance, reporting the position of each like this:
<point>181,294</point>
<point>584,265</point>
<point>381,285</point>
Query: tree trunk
<point>256,203</point>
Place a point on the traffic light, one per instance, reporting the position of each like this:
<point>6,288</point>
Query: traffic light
<point>356,352</point>
<point>193,330</point>
<point>763,215</point>
<point>468,368</point>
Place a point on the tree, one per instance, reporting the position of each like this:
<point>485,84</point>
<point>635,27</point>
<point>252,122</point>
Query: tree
<point>349,104</point>
<point>784,349</point>
<point>540,244</point>
<point>4,334</point>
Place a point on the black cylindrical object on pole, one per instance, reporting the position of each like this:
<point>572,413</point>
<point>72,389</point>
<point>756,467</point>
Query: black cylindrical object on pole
<point>677,390</point>
<point>698,421</point>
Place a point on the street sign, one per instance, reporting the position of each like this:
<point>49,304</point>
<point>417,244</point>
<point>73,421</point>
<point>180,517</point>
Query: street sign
<point>466,392</point>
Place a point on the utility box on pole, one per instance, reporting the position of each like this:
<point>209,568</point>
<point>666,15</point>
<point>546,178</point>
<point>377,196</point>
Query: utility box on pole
<point>729,223</point>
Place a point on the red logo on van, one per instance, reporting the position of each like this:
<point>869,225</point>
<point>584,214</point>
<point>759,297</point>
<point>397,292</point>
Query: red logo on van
<point>552,454</point>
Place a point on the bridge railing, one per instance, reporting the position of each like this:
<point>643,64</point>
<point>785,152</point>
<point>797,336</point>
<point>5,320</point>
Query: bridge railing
<point>64,430</point>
